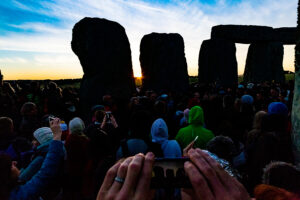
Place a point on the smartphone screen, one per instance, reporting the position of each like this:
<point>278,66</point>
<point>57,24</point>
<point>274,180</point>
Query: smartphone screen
<point>169,173</point>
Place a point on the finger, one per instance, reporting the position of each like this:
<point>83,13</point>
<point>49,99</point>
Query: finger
<point>116,186</point>
<point>207,171</point>
<point>132,175</point>
<point>110,177</point>
<point>227,180</point>
<point>200,186</point>
<point>143,186</point>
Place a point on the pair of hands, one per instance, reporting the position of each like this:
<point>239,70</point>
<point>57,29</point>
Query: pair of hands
<point>112,119</point>
<point>207,177</point>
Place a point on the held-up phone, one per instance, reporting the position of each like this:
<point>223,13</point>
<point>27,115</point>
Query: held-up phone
<point>169,173</point>
<point>51,117</point>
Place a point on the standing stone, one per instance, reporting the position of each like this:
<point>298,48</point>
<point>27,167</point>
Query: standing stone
<point>163,62</point>
<point>217,63</point>
<point>296,100</point>
<point>104,52</point>
<point>264,63</point>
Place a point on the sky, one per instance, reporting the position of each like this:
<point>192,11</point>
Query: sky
<point>35,35</point>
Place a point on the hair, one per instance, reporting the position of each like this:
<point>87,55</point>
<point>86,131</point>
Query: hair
<point>6,125</point>
<point>222,146</point>
<point>7,181</point>
<point>283,175</point>
<point>27,108</point>
<point>258,119</point>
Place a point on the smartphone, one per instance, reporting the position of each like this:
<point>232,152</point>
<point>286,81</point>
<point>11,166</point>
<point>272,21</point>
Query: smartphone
<point>169,173</point>
<point>51,118</point>
<point>108,113</point>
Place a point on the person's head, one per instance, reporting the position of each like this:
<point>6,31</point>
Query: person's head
<point>278,108</point>
<point>29,109</point>
<point>258,119</point>
<point>6,127</point>
<point>76,126</point>
<point>43,135</point>
<point>222,146</point>
<point>196,95</point>
<point>52,86</point>
<point>140,124</point>
<point>134,101</point>
<point>247,99</point>
<point>228,101</point>
<point>99,115</point>
<point>159,131</point>
<point>9,174</point>
<point>196,115</point>
<point>160,109</point>
<point>283,175</point>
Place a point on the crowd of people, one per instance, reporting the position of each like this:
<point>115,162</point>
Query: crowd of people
<point>48,150</point>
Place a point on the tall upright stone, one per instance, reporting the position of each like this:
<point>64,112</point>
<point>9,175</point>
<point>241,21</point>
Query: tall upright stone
<point>264,62</point>
<point>217,63</point>
<point>296,100</point>
<point>104,52</point>
<point>163,62</point>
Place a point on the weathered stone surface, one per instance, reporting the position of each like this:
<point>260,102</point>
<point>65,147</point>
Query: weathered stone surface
<point>286,35</point>
<point>104,52</point>
<point>253,34</point>
<point>163,62</point>
<point>264,63</point>
<point>296,99</point>
<point>217,62</point>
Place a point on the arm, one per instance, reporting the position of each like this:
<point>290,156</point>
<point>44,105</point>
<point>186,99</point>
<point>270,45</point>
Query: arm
<point>32,169</point>
<point>35,186</point>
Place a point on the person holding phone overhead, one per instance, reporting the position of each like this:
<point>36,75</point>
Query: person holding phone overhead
<point>37,185</point>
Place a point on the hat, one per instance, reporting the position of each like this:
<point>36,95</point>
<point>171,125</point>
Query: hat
<point>76,126</point>
<point>97,107</point>
<point>43,135</point>
<point>247,99</point>
<point>240,86</point>
<point>250,85</point>
<point>278,108</point>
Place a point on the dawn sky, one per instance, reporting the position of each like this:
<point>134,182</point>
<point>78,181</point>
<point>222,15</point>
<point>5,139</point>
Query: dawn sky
<point>35,35</point>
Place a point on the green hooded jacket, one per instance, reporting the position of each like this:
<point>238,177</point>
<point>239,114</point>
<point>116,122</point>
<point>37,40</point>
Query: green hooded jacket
<point>195,128</point>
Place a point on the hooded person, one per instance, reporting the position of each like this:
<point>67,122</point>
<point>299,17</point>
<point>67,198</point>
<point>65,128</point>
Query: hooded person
<point>195,128</point>
<point>159,134</point>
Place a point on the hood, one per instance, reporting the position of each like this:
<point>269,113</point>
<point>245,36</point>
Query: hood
<point>196,115</point>
<point>159,131</point>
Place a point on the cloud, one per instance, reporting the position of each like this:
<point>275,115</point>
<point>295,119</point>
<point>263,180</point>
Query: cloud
<point>192,19</point>
<point>13,60</point>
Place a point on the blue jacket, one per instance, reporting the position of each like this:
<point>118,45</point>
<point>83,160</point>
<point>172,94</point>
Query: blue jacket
<point>38,183</point>
<point>36,164</point>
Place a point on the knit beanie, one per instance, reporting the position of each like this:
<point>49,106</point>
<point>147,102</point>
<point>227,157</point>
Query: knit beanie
<point>76,126</point>
<point>43,135</point>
